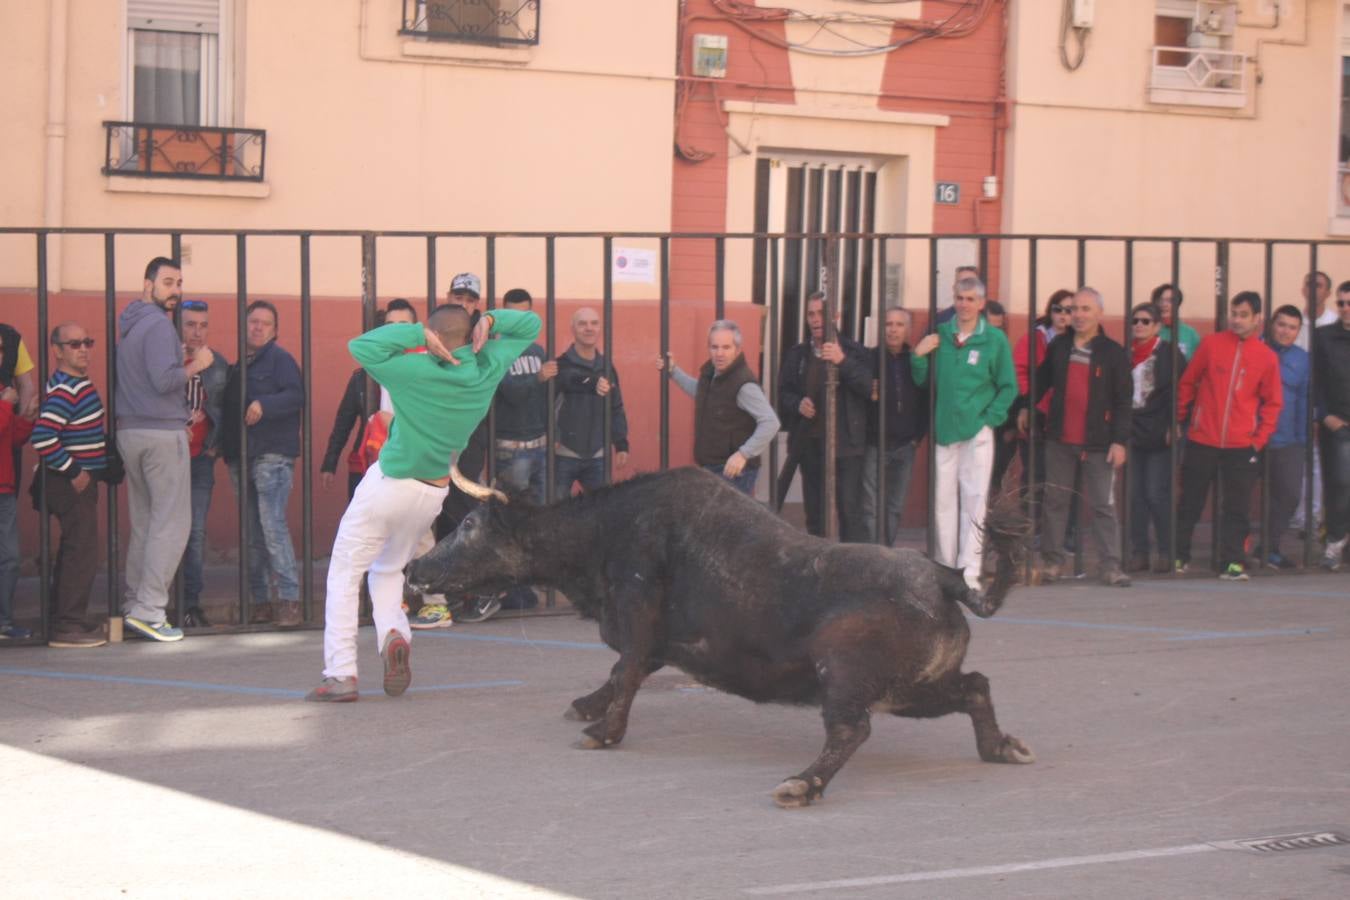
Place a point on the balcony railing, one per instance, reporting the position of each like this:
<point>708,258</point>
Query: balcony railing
<point>148,150</point>
<point>1192,76</point>
<point>474,21</point>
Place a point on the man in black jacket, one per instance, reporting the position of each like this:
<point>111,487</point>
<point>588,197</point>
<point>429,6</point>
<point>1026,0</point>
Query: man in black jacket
<point>1088,428</point>
<point>1150,437</point>
<point>906,426</point>
<point>801,406</point>
<point>586,383</point>
<point>274,397</point>
<point>1331,376</point>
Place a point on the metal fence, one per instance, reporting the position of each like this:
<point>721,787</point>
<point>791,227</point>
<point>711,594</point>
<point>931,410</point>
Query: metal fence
<point>1022,260</point>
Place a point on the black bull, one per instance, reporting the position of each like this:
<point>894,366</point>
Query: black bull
<point>681,569</point>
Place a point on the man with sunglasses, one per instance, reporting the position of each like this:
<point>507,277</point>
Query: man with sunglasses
<point>1332,379</point>
<point>70,439</point>
<point>206,399</point>
<point>151,409</point>
<point>1087,431</point>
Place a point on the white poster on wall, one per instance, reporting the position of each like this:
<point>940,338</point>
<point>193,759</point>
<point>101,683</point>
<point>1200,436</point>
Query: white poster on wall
<point>634,265</point>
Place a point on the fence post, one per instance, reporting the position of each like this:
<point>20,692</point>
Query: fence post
<point>306,438</point>
<point>241,503</point>
<point>44,524</point>
<point>110,404</point>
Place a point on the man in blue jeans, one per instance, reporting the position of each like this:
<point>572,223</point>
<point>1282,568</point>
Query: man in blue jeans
<point>206,405</point>
<point>274,396</point>
<point>586,383</point>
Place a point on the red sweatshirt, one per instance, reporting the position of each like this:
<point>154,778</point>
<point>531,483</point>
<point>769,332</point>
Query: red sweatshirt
<point>1234,385</point>
<point>14,431</point>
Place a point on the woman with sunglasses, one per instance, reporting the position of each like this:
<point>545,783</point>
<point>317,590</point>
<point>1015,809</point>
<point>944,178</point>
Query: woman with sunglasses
<point>1150,438</point>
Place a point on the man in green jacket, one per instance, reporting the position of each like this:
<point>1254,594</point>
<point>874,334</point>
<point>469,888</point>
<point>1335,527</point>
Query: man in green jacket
<point>976,385</point>
<point>441,378</point>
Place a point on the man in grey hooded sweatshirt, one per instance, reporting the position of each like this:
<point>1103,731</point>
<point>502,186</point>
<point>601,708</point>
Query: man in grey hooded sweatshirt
<point>152,438</point>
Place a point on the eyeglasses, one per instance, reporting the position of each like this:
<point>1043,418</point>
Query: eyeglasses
<point>86,343</point>
<point>1141,320</point>
<point>194,305</point>
<point>1059,310</point>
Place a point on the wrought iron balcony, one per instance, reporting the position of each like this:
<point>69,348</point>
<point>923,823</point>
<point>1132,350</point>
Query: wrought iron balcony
<point>1193,76</point>
<point>147,150</point>
<point>474,21</point>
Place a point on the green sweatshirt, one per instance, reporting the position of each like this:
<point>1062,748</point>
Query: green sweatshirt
<point>1190,338</point>
<point>437,405</point>
<point>976,384</point>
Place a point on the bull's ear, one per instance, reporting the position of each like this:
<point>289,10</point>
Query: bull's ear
<point>499,513</point>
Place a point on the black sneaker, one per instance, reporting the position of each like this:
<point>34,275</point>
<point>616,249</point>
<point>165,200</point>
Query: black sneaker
<point>479,608</point>
<point>195,617</point>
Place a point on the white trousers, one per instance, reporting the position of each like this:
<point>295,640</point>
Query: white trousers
<point>380,532</point>
<point>961,491</point>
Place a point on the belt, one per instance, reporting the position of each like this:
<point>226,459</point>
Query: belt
<point>504,444</point>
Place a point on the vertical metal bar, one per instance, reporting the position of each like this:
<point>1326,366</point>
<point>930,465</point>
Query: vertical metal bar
<point>44,523</point>
<point>1173,446</point>
<point>110,404</point>
<point>774,344</point>
<point>1083,515</point>
<point>829,278</point>
<point>1125,475</point>
<point>1309,520</point>
<point>1270,539</point>
<point>491,453</point>
<point>306,437</point>
<point>179,594</point>
<point>932,390</point>
<point>431,274</point>
<point>608,324</point>
<point>550,456</point>
<point>241,314</point>
<point>664,383</point>
<point>720,291</point>
<point>1034,473</point>
<point>1221,316</point>
<point>881,505</point>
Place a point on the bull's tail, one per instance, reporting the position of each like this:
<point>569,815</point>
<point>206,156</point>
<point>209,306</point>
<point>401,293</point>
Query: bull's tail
<point>1006,530</point>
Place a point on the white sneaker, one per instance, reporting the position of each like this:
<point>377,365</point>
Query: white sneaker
<point>1331,559</point>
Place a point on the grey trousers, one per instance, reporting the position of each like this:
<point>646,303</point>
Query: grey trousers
<point>159,498</point>
<point>1099,483</point>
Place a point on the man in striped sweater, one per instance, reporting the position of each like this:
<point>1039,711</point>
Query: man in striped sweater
<point>69,436</point>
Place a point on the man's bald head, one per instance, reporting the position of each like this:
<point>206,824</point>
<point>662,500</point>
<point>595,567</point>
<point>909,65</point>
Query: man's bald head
<point>452,325</point>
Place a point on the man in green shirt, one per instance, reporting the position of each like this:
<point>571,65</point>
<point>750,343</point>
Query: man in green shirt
<point>441,378</point>
<point>976,385</point>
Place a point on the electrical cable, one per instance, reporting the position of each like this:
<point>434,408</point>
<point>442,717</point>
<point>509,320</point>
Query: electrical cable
<point>1079,35</point>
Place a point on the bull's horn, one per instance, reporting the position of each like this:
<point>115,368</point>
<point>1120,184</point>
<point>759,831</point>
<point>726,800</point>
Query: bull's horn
<point>473,488</point>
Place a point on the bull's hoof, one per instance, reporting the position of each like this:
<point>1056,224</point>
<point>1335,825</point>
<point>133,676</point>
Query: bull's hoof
<point>594,738</point>
<point>577,714</point>
<point>795,793</point>
<point>1012,750</point>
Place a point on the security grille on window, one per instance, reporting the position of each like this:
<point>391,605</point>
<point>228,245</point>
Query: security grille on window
<point>174,57</point>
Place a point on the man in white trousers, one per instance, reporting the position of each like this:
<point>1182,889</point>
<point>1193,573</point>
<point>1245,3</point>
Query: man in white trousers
<point>441,379</point>
<point>976,385</point>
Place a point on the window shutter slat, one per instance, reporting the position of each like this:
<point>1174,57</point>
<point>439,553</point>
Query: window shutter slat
<point>197,16</point>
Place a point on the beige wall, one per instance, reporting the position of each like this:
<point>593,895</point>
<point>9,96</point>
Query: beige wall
<point>366,130</point>
<point>1088,154</point>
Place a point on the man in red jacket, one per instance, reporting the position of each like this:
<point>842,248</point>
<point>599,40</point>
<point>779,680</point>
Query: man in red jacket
<point>1232,392</point>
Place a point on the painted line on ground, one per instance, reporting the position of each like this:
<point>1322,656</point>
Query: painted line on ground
<point>283,693</point>
<point>1175,634</point>
<point>1062,862</point>
<point>1255,589</point>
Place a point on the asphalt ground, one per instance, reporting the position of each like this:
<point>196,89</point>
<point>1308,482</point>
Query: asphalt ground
<point>1167,719</point>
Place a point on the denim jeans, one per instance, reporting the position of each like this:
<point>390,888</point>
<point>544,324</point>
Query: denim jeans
<point>744,482</point>
<point>524,470</point>
<point>9,556</point>
<point>1151,500</point>
<point>899,467</point>
<point>590,472</point>
<point>203,483</point>
<point>269,547</point>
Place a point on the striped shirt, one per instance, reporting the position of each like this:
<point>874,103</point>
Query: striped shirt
<point>69,434</point>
